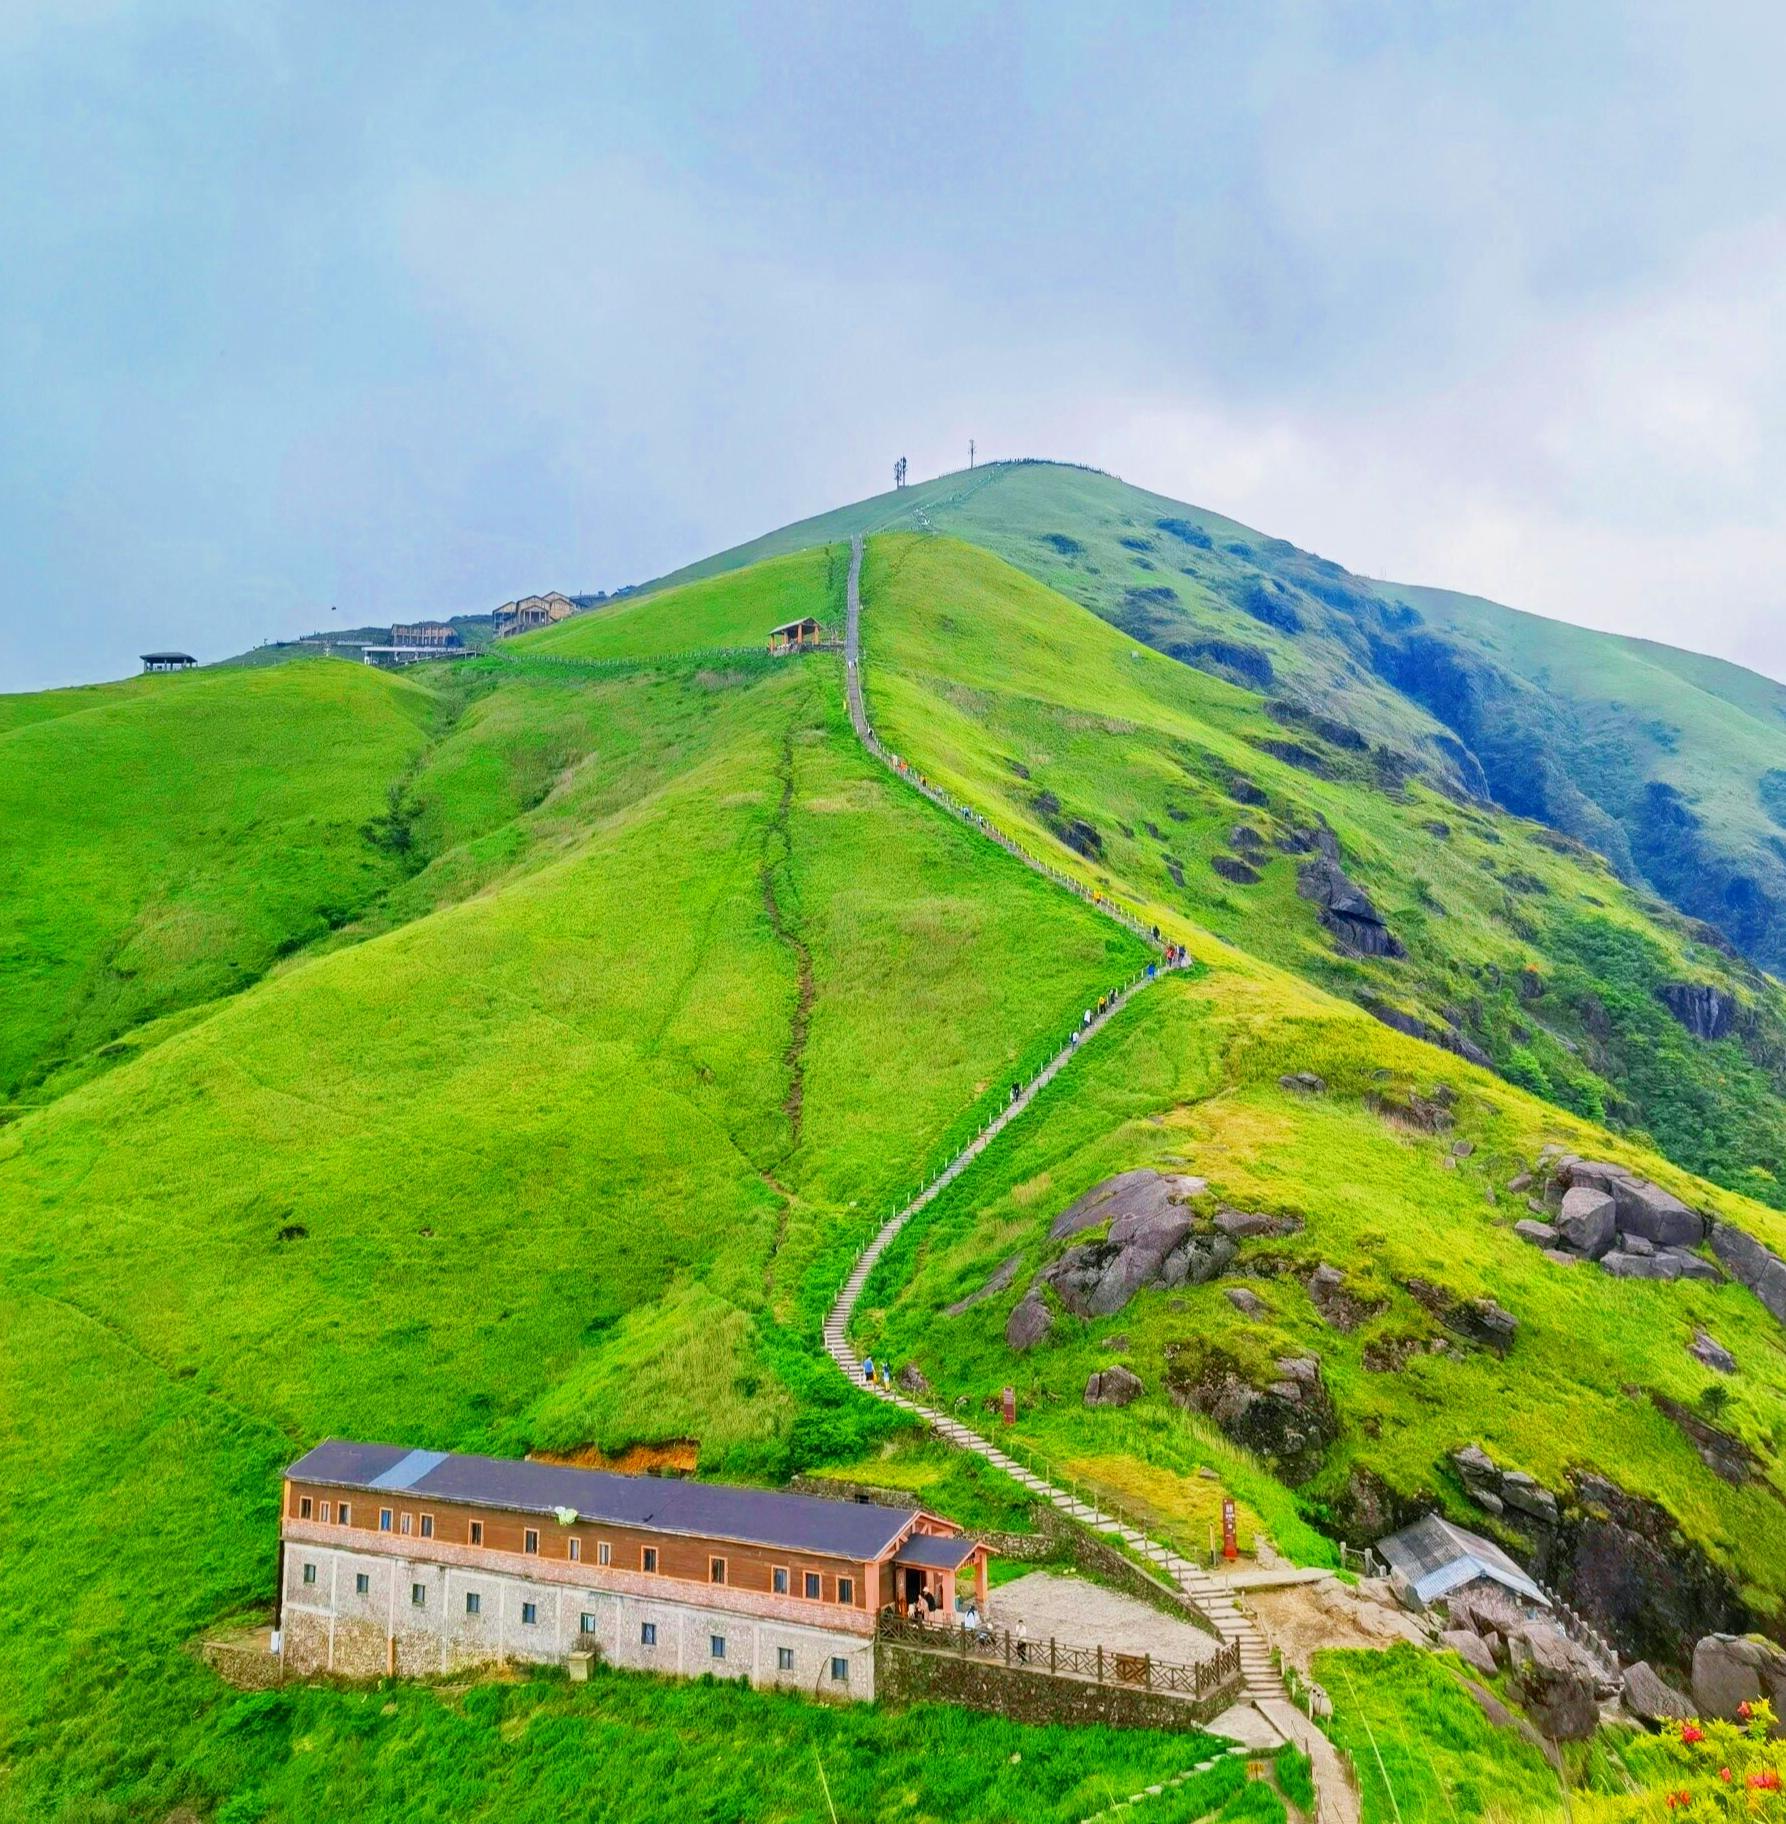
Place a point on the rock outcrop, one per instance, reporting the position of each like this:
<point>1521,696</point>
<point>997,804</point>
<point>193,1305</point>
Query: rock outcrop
<point>1138,1193</point>
<point>1706,1012</point>
<point>1344,907</point>
<point>1752,1265</point>
<point>1471,1648</point>
<point>1303,1083</point>
<point>1585,1223</point>
<point>1730,1670</point>
<point>1030,1322</point>
<point>1632,1228</point>
<point>1712,1353</point>
<point>1650,1698</point>
<point>1113,1387</point>
<point>1558,1684</point>
<point>1338,1306</point>
<point>1476,1320</point>
<point>1509,1492</point>
<point>1002,1277</point>
<point>1290,1421</point>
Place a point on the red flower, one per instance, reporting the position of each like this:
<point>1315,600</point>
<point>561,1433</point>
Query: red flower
<point>1724,1775</point>
<point>1691,1733</point>
<point>1744,1712</point>
<point>1766,1781</point>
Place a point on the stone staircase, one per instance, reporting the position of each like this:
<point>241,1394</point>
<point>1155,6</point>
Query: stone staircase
<point>1262,1687</point>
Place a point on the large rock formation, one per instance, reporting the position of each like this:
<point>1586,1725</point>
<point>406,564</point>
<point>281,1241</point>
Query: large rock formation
<point>1345,908</point>
<point>1477,1320</point>
<point>1130,1194</point>
<point>1706,1012</point>
<point>1585,1222</point>
<point>1558,1683</point>
<point>1730,1670</point>
<point>1764,1273</point>
<point>1290,1421</point>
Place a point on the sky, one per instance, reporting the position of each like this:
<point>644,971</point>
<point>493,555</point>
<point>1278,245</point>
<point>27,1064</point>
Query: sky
<point>403,310</point>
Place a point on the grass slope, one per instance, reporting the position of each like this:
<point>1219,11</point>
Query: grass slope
<point>591,1107</point>
<point>165,840</point>
<point>1150,778</point>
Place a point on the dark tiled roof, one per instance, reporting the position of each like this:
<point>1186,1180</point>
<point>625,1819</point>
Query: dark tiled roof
<point>702,1510</point>
<point>1436,1556</point>
<point>933,1551</point>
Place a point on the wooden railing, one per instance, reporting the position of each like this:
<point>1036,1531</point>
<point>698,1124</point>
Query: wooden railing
<point>1099,1665</point>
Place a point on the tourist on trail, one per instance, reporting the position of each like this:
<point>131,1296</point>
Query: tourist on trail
<point>1088,1016</point>
<point>1150,972</point>
<point>1022,1641</point>
<point>868,1371</point>
<point>1156,934</point>
<point>1016,1091</point>
<point>886,1377</point>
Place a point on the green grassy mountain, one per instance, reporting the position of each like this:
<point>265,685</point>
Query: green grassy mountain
<point>1670,764</point>
<point>514,1055</point>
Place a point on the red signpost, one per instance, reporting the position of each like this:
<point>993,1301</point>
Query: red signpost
<point>1010,1405</point>
<point>1230,1540</point>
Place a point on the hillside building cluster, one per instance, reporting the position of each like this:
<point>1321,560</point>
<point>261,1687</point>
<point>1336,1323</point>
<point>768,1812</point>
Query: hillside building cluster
<point>532,611</point>
<point>415,1562</point>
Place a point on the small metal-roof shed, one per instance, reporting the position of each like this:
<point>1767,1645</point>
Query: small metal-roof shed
<point>1433,1557</point>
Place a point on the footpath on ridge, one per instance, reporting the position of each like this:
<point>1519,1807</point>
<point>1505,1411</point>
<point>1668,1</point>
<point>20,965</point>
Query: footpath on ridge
<point>1336,1801</point>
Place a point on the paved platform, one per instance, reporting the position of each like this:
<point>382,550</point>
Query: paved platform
<point>1086,1614</point>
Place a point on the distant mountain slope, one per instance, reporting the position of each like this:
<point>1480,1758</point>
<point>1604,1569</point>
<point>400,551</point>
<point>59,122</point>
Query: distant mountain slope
<point>1670,764</point>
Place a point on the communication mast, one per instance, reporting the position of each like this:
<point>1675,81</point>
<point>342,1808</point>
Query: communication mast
<point>899,473</point>
<point>970,452</point>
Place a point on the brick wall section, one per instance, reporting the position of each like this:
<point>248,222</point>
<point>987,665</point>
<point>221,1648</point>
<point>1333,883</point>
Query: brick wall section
<point>903,1676</point>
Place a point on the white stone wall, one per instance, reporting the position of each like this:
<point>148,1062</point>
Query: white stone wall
<point>332,1625</point>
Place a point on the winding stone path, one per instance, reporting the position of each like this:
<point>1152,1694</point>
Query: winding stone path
<point>1336,1801</point>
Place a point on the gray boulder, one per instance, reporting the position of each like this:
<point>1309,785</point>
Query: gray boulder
<point>1346,909</point>
<point>1562,1257</point>
<point>1099,1277</point>
<point>1539,1234</point>
<point>1650,1698</point>
<point>1138,1193</point>
<point>911,1378</point>
<point>1646,1209</point>
<point>1030,1322</point>
<point>1198,1259</point>
<point>1764,1273</point>
<point>1707,1349</point>
<point>1337,1305</point>
<point>1693,1266</point>
<point>1245,1225</point>
<point>1471,1648</point>
<point>1593,1174</point>
<point>1248,1304</point>
<point>1733,1669</point>
<point>1303,1083</point>
<point>1586,1220</point>
<point>1641,1266</point>
<point>1558,1684</point>
<point>1113,1387</point>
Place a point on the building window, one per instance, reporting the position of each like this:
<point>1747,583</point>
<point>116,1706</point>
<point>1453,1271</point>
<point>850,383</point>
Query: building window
<point>648,1633</point>
<point>530,1614</point>
<point>530,1540</point>
<point>585,1623</point>
<point>309,1573</point>
<point>418,1595</point>
<point>716,1645</point>
<point>716,1570</point>
<point>341,1514</point>
<point>576,1550</point>
<point>473,1602</point>
<point>427,1526</point>
<point>303,1507</point>
<point>325,1513</point>
<point>602,1551</point>
<point>408,1522</point>
<point>846,1589</point>
<point>476,1535</point>
<point>814,1586</point>
<point>840,1671</point>
<point>784,1659</point>
<point>362,1584</point>
<point>778,1579</point>
<point>384,1519</point>
<point>648,1558</point>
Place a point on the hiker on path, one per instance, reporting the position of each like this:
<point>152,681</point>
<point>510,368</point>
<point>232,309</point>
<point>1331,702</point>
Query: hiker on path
<point>1016,1091</point>
<point>868,1371</point>
<point>1022,1641</point>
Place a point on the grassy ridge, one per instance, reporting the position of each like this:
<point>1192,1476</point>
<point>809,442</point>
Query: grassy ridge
<point>165,840</point>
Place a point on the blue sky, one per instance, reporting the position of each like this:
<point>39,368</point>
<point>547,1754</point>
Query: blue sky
<point>412,308</point>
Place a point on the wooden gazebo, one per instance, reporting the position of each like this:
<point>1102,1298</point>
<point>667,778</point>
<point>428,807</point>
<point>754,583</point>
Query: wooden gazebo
<point>168,661</point>
<point>796,636</point>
